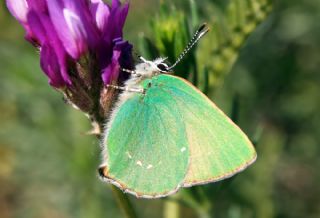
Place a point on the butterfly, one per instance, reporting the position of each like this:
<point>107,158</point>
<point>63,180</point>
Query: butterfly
<point>164,134</point>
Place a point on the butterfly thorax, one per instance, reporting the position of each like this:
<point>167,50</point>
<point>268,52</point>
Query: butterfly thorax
<point>143,71</point>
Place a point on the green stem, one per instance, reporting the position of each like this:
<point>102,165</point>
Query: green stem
<point>124,203</point>
<point>171,209</point>
<point>200,203</point>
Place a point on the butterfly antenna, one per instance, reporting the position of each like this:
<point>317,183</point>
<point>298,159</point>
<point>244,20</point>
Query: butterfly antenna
<point>203,29</point>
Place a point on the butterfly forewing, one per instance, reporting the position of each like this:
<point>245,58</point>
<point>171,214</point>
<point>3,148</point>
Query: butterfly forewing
<point>147,151</point>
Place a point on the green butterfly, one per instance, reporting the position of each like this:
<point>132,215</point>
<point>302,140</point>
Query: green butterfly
<point>164,134</point>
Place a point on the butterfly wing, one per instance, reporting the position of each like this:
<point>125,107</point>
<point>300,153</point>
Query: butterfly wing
<point>218,148</point>
<point>171,137</point>
<point>146,149</point>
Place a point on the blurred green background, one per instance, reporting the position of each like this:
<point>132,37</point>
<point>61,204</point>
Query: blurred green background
<point>259,64</point>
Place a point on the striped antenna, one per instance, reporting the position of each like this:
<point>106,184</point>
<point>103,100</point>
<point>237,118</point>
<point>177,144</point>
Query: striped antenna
<point>203,29</point>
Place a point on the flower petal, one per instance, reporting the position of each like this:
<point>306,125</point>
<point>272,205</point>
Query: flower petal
<point>50,65</point>
<point>38,5</point>
<point>100,11</point>
<point>74,25</point>
<point>41,26</point>
<point>37,28</point>
<point>58,48</point>
<point>73,45</point>
<point>19,9</point>
<point>121,57</point>
<point>117,19</point>
<point>116,3</point>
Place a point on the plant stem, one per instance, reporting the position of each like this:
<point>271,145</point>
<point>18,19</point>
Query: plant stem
<point>124,203</point>
<point>171,209</point>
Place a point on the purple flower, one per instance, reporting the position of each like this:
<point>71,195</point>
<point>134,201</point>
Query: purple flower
<point>74,24</point>
<point>68,31</point>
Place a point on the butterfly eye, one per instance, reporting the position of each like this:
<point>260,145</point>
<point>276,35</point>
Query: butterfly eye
<point>163,67</point>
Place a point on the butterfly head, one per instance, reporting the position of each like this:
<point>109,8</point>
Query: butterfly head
<point>148,69</point>
<point>152,68</point>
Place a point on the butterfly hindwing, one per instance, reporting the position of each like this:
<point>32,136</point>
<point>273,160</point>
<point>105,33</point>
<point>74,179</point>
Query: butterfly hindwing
<point>218,148</point>
<point>146,147</point>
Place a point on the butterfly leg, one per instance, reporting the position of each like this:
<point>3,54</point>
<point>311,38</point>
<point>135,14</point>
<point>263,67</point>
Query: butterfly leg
<point>132,72</point>
<point>127,89</point>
